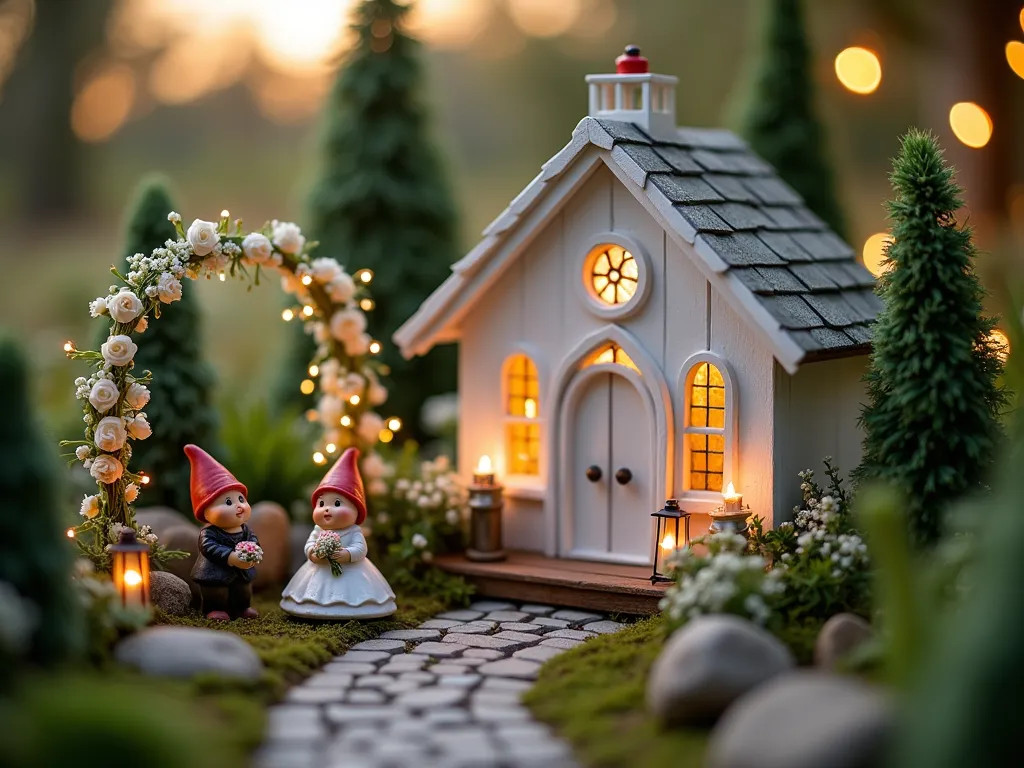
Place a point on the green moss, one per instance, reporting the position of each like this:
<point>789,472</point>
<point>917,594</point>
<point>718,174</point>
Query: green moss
<point>594,696</point>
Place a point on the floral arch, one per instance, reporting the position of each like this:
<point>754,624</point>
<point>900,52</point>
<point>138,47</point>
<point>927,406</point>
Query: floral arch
<point>330,302</point>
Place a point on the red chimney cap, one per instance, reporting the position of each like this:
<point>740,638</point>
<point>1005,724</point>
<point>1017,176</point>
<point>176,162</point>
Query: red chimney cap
<point>631,62</point>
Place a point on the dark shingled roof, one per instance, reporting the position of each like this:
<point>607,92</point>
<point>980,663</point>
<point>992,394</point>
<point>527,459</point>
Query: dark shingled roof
<point>805,275</point>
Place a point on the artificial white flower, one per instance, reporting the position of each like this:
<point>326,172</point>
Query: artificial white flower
<point>321,333</point>
<point>174,217</point>
<point>348,324</point>
<point>137,396</point>
<point>377,394</point>
<point>288,237</point>
<point>90,506</point>
<point>257,248</point>
<point>325,270</point>
<point>142,325</point>
<point>452,516</point>
<point>352,384</point>
<point>342,288</point>
<point>103,395</point>
<point>98,306</point>
<point>124,306</point>
<point>131,492</point>
<point>202,236</point>
<point>330,409</point>
<point>370,425</point>
<point>139,428</point>
<point>419,540</point>
<point>82,452</point>
<point>168,288</point>
<point>118,350</point>
<point>374,466</point>
<point>110,434</point>
<point>358,346</point>
<point>377,487</point>
<point>149,538</point>
<point>106,469</point>
<point>292,284</point>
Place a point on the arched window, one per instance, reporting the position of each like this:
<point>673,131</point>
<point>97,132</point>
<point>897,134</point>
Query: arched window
<point>612,274</point>
<point>705,427</point>
<point>611,353</point>
<point>522,405</point>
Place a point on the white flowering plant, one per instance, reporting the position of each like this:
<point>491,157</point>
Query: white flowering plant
<point>106,619</point>
<point>331,304</point>
<point>725,578</point>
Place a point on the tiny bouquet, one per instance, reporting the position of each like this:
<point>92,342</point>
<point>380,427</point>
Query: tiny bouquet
<point>249,552</point>
<point>326,547</point>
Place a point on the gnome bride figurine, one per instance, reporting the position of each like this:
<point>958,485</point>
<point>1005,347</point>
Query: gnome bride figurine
<point>228,549</point>
<point>337,581</point>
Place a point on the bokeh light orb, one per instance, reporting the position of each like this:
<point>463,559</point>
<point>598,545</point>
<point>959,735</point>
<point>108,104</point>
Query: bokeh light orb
<point>1001,342</point>
<point>874,253</point>
<point>1015,57</point>
<point>859,70</point>
<point>971,124</point>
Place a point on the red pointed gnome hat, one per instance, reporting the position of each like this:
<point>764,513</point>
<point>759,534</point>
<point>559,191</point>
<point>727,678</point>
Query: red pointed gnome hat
<point>344,478</point>
<point>209,479</point>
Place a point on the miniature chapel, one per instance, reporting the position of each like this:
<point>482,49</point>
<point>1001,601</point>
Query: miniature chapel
<point>656,315</point>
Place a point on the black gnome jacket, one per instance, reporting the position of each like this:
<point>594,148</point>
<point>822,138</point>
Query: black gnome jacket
<point>215,545</point>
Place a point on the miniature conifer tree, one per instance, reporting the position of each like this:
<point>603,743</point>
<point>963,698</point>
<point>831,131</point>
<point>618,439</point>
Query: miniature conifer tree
<point>35,556</point>
<point>180,409</point>
<point>382,201</point>
<point>932,420</point>
<point>777,115</point>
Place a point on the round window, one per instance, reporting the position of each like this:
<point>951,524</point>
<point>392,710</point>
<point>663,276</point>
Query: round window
<point>612,275</point>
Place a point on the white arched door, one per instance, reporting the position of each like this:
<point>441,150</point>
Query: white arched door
<point>608,472</point>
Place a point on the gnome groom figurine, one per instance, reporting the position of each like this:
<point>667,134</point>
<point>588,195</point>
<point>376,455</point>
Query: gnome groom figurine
<point>223,571</point>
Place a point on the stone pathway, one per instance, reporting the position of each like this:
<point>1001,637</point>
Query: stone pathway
<point>443,695</point>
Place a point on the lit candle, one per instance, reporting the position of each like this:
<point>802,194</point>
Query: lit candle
<point>484,472</point>
<point>668,542</point>
<point>530,408</point>
<point>733,500</point>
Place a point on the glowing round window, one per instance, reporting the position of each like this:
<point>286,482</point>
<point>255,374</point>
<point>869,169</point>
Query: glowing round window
<point>613,274</point>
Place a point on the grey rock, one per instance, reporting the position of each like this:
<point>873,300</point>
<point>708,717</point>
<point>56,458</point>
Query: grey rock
<point>483,653</point>
<point>272,526</point>
<point>840,635</point>
<point>449,668</point>
<point>336,680</point>
<point>368,657</point>
<point>459,681</point>
<point>399,687</point>
<point>506,684</point>
<point>298,533</point>
<point>342,714</point>
<point>188,651</point>
<point>463,615</point>
<point>603,627</point>
<point>571,634</point>
<point>285,755</point>
<point>524,638</point>
<point>299,722</point>
<point>184,537</point>
<point>508,713</point>
<point>520,732</point>
<point>169,593</point>
<point>472,661</point>
<point>440,624</point>
<point>538,653</point>
<point>545,621</point>
<point>492,698</point>
<point>518,668</point>
<point>314,695</point>
<point>486,606</point>
<point>708,664</point>
<point>506,616</point>
<point>576,617</point>
<point>380,644</point>
<point>442,650</point>
<point>412,634</point>
<point>349,667</point>
<point>520,626</point>
<point>481,641</point>
<point>804,719</point>
<point>445,716</point>
<point>161,519</point>
<point>562,643</point>
<point>422,678</point>
<point>425,698</point>
<point>374,681</point>
<point>365,697</point>
<point>475,627</point>
<point>537,610</point>
<point>400,665</point>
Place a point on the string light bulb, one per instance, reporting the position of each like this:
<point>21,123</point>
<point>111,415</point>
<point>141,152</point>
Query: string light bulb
<point>374,347</point>
<point>859,70</point>
<point>365,275</point>
<point>225,214</point>
<point>69,346</point>
<point>331,448</point>
<point>222,277</point>
<point>319,458</point>
<point>366,304</point>
<point>307,310</point>
<point>314,370</point>
<point>354,399</point>
<point>386,435</point>
<point>144,479</point>
<point>307,386</point>
<point>346,421</point>
<point>307,280</point>
<point>288,315</point>
<point>70,533</point>
<point>394,424</point>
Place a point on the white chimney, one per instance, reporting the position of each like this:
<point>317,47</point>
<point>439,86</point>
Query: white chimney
<point>634,95</point>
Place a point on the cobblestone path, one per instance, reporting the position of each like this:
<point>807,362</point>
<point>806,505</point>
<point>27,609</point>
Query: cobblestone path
<point>443,695</point>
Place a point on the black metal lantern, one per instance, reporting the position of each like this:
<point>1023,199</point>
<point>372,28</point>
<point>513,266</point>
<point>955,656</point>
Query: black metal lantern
<point>666,537</point>
<point>131,570</point>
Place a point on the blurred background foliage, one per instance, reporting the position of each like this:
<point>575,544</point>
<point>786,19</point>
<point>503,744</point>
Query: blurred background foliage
<point>223,99</point>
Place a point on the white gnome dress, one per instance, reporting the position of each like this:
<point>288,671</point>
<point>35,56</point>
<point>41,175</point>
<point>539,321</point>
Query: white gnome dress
<point>360,592</point>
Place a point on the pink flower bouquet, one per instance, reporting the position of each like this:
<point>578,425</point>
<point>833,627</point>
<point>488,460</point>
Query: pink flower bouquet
<point>249,552</point>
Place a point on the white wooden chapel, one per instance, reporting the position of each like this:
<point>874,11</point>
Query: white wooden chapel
<point>655,315</point>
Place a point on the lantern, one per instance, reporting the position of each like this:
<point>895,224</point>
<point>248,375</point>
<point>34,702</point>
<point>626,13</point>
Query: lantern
<point>485,505</point>
<point>131,570</point>
<point>667,538</point>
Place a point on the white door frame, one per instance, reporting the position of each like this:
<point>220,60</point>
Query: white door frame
<point>655,393</point>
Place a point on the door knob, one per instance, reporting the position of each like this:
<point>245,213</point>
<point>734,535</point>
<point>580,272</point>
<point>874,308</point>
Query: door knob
<point>623,475</point>
<point>593,473</point>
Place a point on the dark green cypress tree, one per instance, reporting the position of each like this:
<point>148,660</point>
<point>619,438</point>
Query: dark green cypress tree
<point>181,407</point>
<point>35,556</point>
<point>776,114</point>
<point>932,421</point>
<point>382,201</point>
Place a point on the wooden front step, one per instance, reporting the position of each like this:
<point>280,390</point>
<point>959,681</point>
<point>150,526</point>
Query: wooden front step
<point>534,578</point>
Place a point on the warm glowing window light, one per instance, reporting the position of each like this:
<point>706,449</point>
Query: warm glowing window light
<point>522,432</point>
<point>705,441</point>
<point>971,124</point>
<point>874,253</point>
<point>613,353</point>
<point>859,70</point>
<point>530,408</point>
<point>614,274</point>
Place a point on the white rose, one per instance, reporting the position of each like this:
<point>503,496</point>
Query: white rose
<point>106,469</point>
<point>347,324</point>
<point>139,428</point>
<point>330,409</point>
<point>257,248</point>
<point>131,492</point>
<point>342,288</point>
<point>377,394</point>
<point>325,270</point>
<point>82,452</point>
<point>124,306</point>
<point>137,396</point>
<point>202,236</point>
<point>110,434</point>
<point>142,325</point>
<point>419,540</point>
<point>168,288</point>
<point>98,306</point>
<point>370,425</point>
<point>90,507</point>
<point>374,466</point>
<point>118,350</point>
<point>358,346</point>
<point>288,237</point>
<point>103,395</point>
